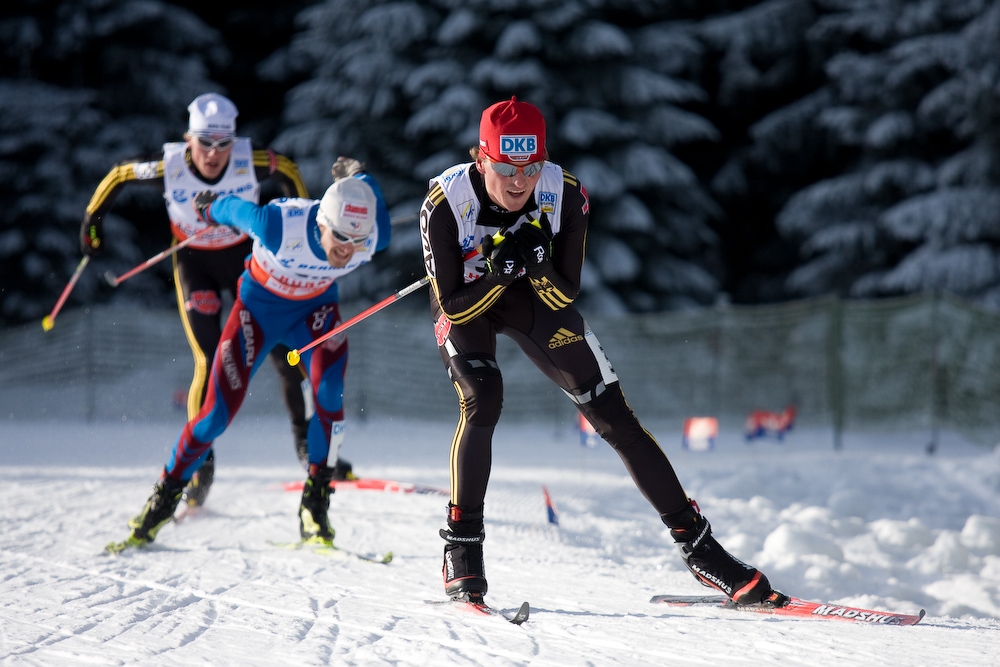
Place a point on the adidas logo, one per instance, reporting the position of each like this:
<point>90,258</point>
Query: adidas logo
<point>563,337</point>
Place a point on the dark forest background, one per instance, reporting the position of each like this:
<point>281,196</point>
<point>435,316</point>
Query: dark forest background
<point>735,151</point>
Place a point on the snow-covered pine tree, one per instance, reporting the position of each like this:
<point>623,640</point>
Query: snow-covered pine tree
<point>900,145</point>
<point>401,85</point>
<point>763,72</point>
<point>86,84</point>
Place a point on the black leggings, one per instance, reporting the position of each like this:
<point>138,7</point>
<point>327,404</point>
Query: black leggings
<point>562,346</point>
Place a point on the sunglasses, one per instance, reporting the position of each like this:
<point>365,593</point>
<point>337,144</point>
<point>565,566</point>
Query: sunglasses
<point>220,144</point>
<point>507,169</point>
<point>338,236</point>
<point>344,238</point>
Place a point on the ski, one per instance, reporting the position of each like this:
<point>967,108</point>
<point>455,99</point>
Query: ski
<point>324,549</point>
<point>797,608</point>
<point>483,609</point>
<point>116,548</point>
<point>370,484</point>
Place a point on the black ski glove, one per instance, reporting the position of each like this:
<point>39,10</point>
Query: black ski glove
<point>202,205</point>
<point>91,237</point>
<point>503,261</point>
<point>534,242</point>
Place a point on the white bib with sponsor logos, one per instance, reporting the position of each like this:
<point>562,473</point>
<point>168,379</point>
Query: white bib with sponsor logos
<point>293,270</point>
<point>180,184</point>
<point>461,196</point>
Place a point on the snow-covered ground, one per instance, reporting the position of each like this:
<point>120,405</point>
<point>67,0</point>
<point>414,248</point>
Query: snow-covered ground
<point>879,524</point>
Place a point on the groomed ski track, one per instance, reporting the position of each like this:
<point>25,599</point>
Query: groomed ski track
<point>212,591</point>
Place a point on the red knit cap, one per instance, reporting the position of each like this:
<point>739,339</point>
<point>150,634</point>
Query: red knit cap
<point>512,132</point>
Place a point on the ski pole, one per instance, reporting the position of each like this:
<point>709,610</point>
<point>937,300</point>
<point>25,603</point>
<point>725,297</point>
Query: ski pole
<point>115,281</point>
<point>49,320</point>
<point>293,355</point>
<point>406,219</point>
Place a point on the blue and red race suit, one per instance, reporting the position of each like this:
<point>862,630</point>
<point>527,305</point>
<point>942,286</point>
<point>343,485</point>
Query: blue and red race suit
<point>264,316</point>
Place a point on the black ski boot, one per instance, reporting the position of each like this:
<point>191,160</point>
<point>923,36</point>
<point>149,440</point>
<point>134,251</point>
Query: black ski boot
<point>715,567</point>
<point>464,570</point>
<point>158,511</point>
<point>341,472</point>
<point>196,491</point>
<point>314,525</point>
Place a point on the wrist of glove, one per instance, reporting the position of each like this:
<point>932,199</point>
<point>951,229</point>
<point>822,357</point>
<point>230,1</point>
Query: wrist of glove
<point>345,167</point>
<point>503,260</point>
<point>534,242</point>
<point>91,242</point>
<point>203,204</point>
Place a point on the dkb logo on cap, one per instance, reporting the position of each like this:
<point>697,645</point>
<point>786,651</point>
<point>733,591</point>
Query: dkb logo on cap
<point>518,147</point>
<point>512,131</point>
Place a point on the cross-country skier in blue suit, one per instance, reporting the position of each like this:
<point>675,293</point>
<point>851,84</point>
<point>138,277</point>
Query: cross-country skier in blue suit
<point>287,295</point>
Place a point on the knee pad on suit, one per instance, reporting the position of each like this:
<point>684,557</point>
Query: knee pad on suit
<point>479,384</point>
<point>611,416</point>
